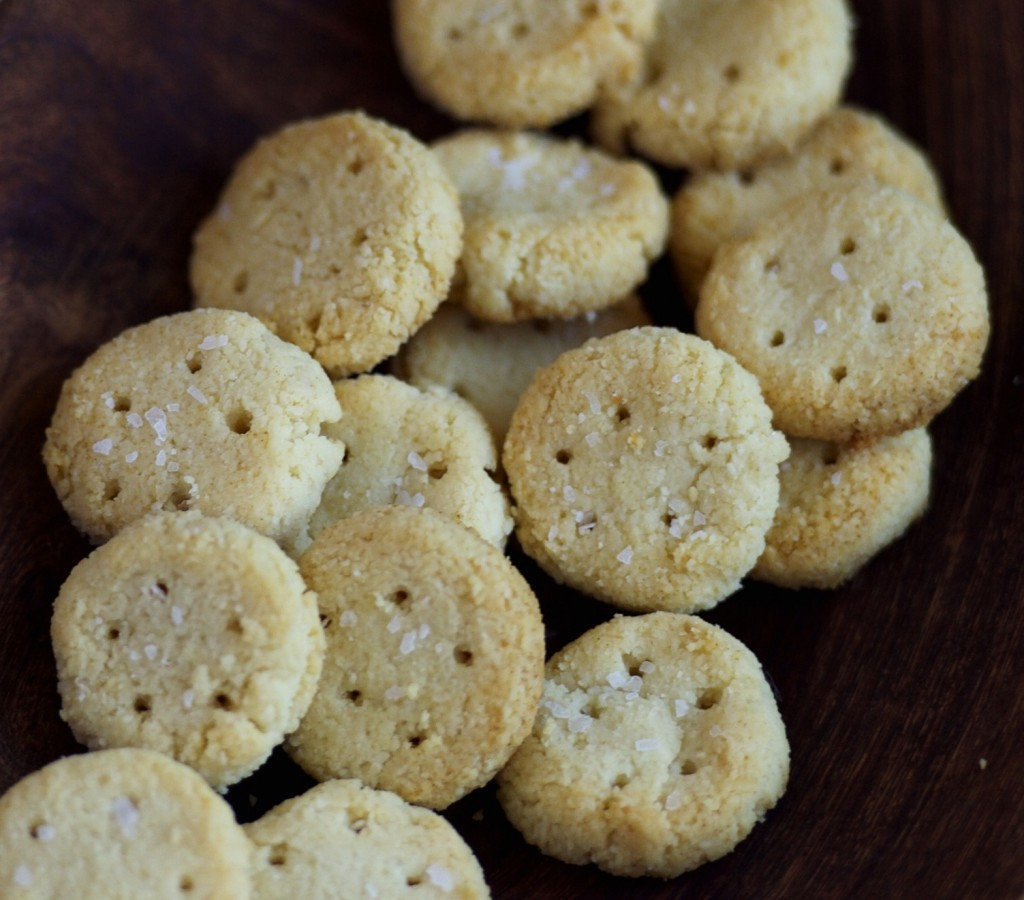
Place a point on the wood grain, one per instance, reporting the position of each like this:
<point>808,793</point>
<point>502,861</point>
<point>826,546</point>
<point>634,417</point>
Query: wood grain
<point>121,121</point>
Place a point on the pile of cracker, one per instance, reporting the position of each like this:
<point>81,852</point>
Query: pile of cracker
<point>302,509</point>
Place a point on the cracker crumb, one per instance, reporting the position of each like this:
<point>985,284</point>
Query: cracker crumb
<point>983,764</point>
<point>689,107</point>
<point>910,285</point>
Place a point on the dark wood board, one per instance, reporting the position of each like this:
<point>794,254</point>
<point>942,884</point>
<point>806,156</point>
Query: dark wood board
<point>118,124</point>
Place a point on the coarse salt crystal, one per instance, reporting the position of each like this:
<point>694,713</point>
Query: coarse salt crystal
<point>371,889</point>
<point>634,682</point>
<point>424,631</point>
<point>196,394</point>
<point>659,448</point>
<point>631,696</point>
<point>188,698</point>
<point>161,458</point>
<point>213,341</point>
<point>394,693</point>
<point>836,477</point>
<point>625,556</point>
<point>173,407</point>
<point>46,833</point>
<point>395,625</point>
<point>514,178</point>
<point>134,419</point>
<point>673,801</point>
<point>23,876</point>
<point>150,651</point>
<point>133,655</point>
<point>490,13</point>
<point>173,467</point>
<point>126,814</point>
<point>103,447</point>
<point>297,271</point>
<point>617,680</point>
<point>699,518</point>
<point>664,103</point>
<point>839,272</point>
<point>580,723</point>
<point>177,616</point>
<point>681,708</point>
<point>440,877</point>
<point>408,643</point>
<point>552,532</point>
<point>592,438</point>
<point>557,710</point>
<point>646,744</point>
<point>348,618</point>
<point>910,285</point>
<point>646,667</point>
<point>677,378</point>
<point>416,461</point>
<point>568,494</point>
<point>403,498</point>
<point>314,243</point>
<point>158,419</point>
<point>592,399</point>
<point>108,399</point>
<point>820,325</point>
<point>675,528</point>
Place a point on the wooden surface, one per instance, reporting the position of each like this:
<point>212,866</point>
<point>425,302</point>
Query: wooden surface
<point>119,122</point>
